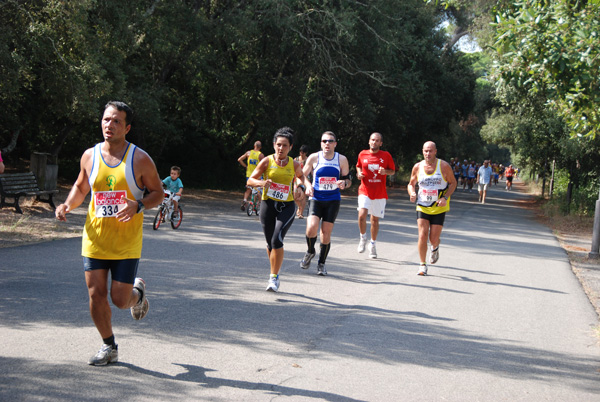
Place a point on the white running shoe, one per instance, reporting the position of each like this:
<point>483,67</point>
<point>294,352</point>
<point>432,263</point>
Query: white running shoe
<point>140,310</point>
<point>362,244</point>
<point>435,255</point>
<point>273,285</point>
<point>422,270</point>
<point>372,251</point>
<point>106,354</point>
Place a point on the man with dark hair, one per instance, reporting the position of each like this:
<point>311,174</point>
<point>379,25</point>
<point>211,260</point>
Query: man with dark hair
<point>117,173</point>
<point>330,172</point>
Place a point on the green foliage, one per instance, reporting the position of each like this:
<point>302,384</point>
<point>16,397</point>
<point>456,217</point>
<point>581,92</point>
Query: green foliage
<point>551,49</point>
<point>583,198</point>
<point>207,79</point>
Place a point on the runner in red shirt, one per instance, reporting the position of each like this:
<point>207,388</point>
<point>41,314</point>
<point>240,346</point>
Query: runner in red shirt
<point>509,173</point>
<point>372,167</point>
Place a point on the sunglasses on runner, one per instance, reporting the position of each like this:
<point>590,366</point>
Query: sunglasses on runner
<point>327,141</point>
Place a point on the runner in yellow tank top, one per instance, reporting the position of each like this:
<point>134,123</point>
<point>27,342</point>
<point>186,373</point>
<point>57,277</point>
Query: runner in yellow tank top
<point>109,184</point>
<point>436,184</point>
<point>252,158</point>
<point>116,172</point>
<point>278,208</point>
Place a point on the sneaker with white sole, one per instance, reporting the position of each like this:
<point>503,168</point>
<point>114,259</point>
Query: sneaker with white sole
<point>140,310</point>
<point>273,285</point>
<point>372,251</point>
<point>435,255</point>
<point>321,269</point>
<point>106,354</point>
<point>305,263</point>
<point>422,270</point>
<point>362,244</point>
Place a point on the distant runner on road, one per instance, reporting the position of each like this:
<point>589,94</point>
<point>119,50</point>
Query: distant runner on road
<point>117,172</point>
<point>436,184</point>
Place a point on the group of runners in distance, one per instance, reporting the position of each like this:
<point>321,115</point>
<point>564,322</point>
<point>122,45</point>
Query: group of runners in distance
<point>123,182</point>
<point>321,176</point>
<point>470,173</point>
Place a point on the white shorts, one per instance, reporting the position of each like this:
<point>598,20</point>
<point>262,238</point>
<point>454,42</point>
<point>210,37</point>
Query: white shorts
<point>482,187</point>
<point>376,207</point>
<point>176,198</point>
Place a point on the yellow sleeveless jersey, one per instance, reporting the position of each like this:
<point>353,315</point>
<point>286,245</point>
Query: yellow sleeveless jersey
<point>282,177</point>
<point>252,162</point>
<point>431,188</point>
<point>104,237</point>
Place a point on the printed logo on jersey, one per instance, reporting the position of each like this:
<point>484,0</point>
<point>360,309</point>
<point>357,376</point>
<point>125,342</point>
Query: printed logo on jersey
<point>110,182</point>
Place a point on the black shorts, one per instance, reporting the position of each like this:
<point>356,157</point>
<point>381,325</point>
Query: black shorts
<point>325,210</point>
<point>433,219</point>
<point>509,179</point>
<point>120,270</point>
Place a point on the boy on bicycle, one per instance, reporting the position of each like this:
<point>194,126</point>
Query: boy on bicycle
<point>174,185</point>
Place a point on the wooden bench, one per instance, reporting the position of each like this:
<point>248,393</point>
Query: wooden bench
<point>17,185</point>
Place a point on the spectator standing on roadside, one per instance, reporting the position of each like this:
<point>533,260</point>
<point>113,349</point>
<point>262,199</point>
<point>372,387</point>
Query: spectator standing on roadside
<point>300,188</point>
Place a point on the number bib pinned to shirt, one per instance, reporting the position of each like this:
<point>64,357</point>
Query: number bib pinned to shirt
<point>327,183</point>
<point>108,203</point>
<point>278,191</point>
<point>428,196</point>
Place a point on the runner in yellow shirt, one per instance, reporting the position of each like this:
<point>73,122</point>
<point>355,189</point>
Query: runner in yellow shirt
<point>116,172</point>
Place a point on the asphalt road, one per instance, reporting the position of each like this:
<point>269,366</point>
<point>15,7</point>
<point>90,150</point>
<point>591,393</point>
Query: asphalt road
<point>501,317</point>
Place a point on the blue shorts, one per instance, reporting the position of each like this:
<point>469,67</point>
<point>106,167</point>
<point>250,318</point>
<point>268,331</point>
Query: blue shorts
<point>120,270</point>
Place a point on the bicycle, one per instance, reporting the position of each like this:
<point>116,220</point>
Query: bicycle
<point>166,209</point>
<point>253,205</point>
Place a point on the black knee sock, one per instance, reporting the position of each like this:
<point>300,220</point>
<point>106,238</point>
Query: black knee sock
<point>110,340</point>
<point>324,252</point>
<point>311,241</point>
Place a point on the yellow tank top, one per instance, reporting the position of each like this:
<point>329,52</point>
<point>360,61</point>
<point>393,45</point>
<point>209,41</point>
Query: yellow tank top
<point>104,237</point>
<point>282,177</point>
<point>431,188</point>
<point>252,162</point>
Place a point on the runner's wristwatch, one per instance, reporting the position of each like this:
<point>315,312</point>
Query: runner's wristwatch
<point>141,206</point>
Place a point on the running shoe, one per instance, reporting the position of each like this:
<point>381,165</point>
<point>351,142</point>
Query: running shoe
<point>422,270</point>
<point>106,354</point>
<point>362,244</point>
<point>305,263</point>
<point>435,255</point>
<point>372,251</point>
<point>243,207</point>
<point>321,269</point>
<point>140,310</point>
<point>273,284</point>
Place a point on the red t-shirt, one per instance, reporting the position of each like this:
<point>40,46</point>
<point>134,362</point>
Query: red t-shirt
<point>373,185</point>
<point>509,172</point>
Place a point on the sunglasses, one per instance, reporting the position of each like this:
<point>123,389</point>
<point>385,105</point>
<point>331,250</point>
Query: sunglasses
<point>327,141</point>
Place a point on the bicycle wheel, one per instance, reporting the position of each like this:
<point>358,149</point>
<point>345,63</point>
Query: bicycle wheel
<point>249,208</point>
<point>257,208</point>
<point>176,220</point>
<point>158,218</point>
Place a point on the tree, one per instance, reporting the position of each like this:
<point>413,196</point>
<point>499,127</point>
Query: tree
<point>551,48</point>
